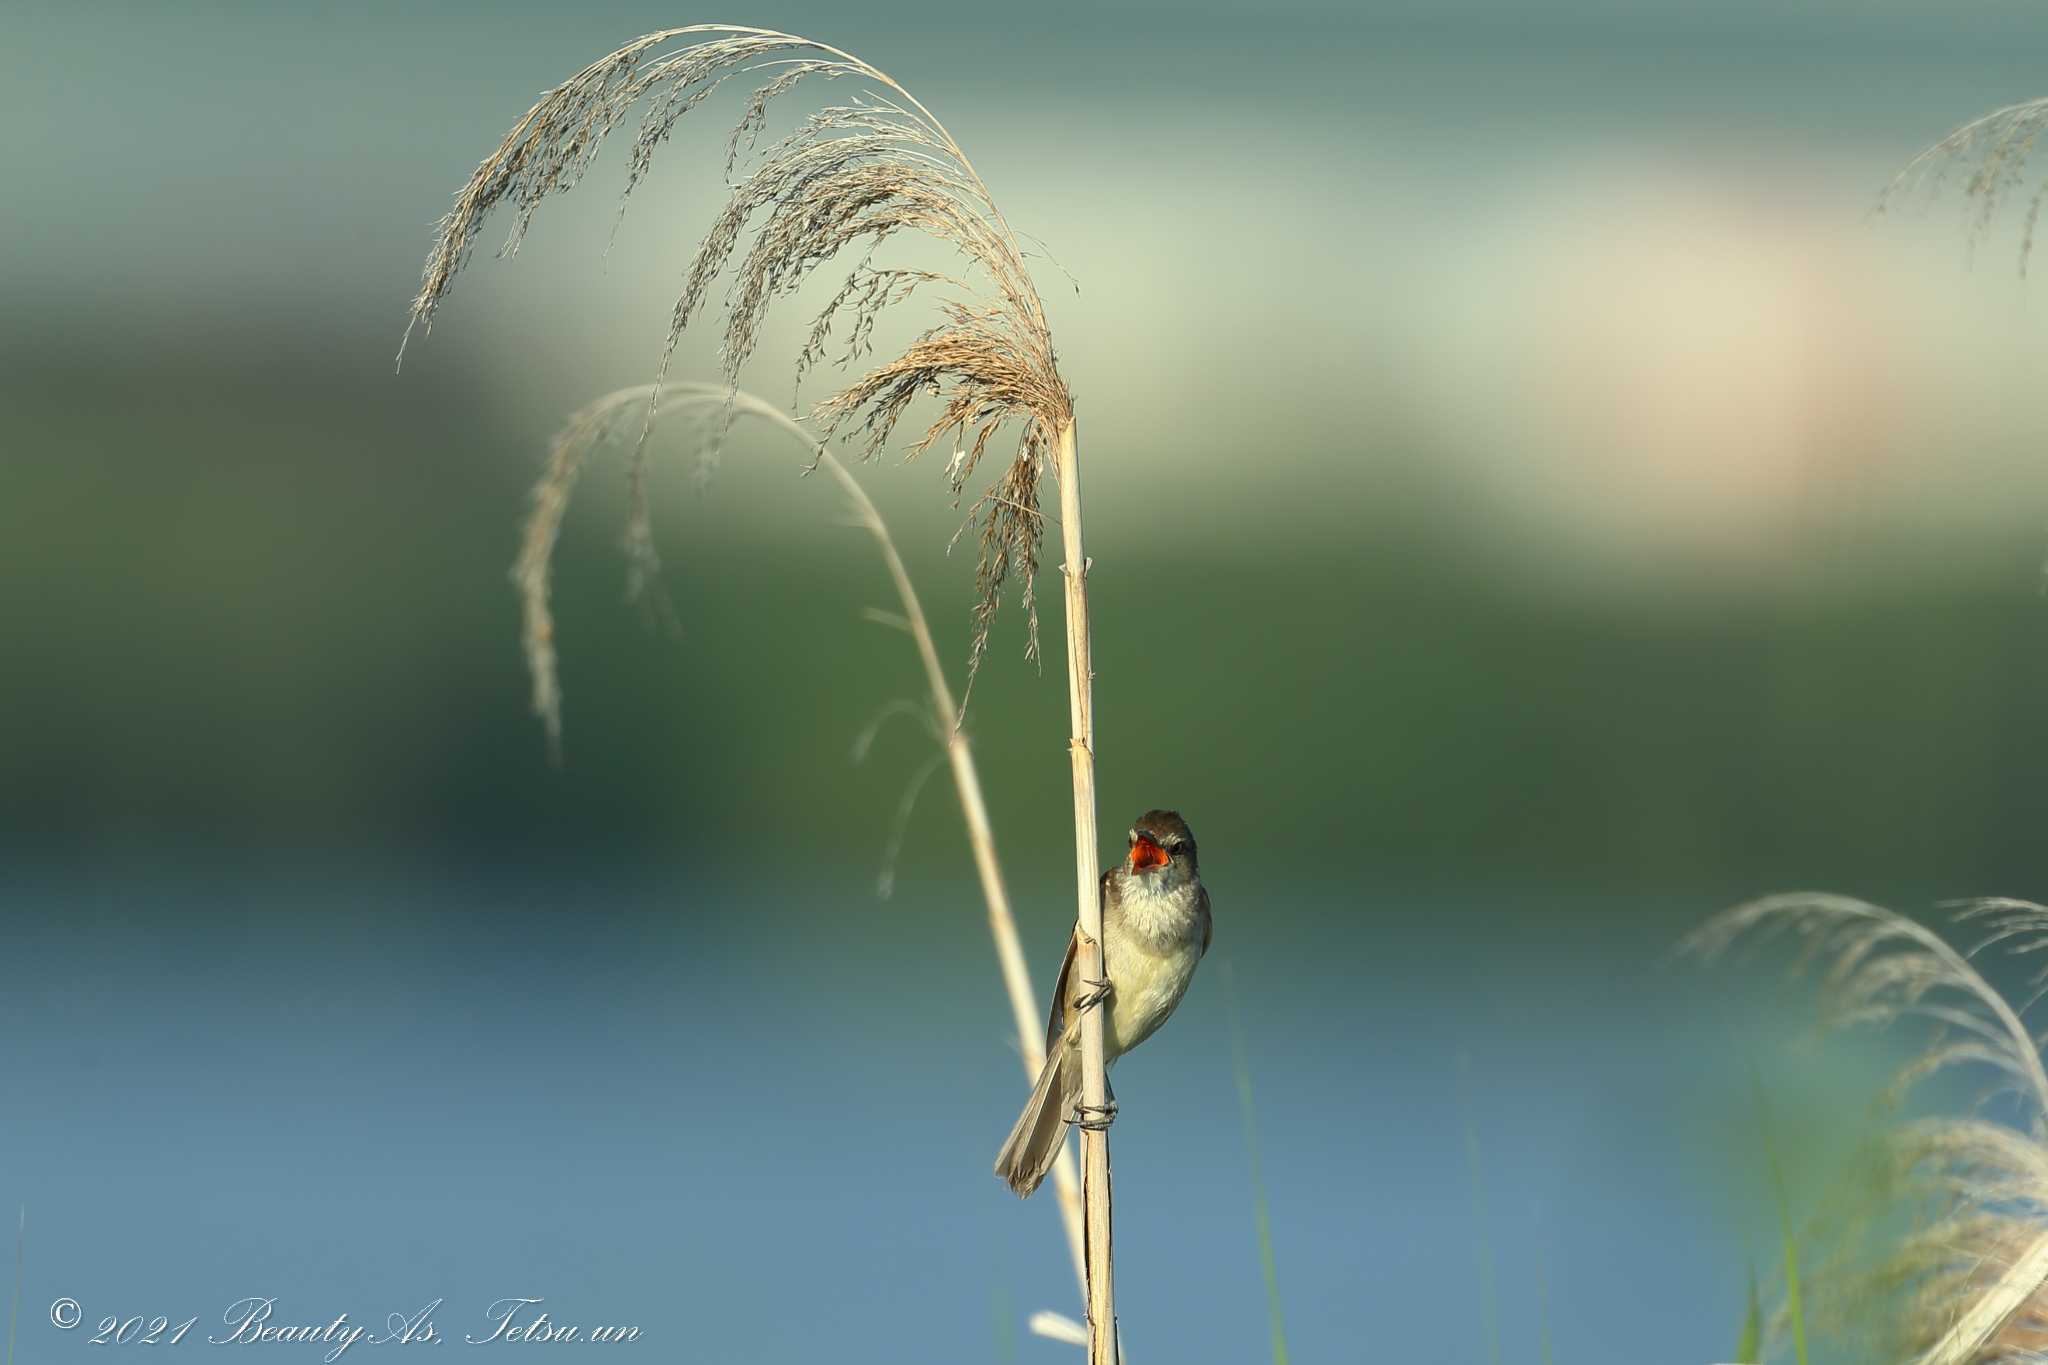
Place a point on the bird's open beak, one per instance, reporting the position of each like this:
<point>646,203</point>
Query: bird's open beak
<point>1146,854</point>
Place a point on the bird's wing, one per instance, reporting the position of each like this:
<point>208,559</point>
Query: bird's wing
<point>1056,1018</point>
<point>1208,924</point>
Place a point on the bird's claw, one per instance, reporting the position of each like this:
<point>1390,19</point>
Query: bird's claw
<point>1095,1118</point>
<point>1097,992</point>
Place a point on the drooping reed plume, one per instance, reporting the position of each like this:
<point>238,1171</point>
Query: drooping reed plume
<point>1993,154</point>
<point>847,180</point>
<point>588,430</point>
<point>1968,1264</point>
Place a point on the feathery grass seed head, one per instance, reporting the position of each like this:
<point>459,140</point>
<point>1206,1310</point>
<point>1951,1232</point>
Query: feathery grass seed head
<point>1994,152</point>
<point>1971,1267</point>
<point>849,176</point>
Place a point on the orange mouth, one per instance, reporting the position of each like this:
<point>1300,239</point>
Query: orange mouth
<point>1146,854</point>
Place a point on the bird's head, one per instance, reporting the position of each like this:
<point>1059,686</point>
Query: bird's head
<point>1162,849</point>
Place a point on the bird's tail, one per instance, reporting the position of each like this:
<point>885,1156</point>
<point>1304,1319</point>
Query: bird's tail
<point>1041,1131</point>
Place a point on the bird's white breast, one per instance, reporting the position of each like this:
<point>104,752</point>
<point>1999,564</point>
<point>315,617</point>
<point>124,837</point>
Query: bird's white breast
<point>1153,941</point>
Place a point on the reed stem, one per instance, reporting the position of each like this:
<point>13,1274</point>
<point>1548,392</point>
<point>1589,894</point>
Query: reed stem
<point>1094,1064</point>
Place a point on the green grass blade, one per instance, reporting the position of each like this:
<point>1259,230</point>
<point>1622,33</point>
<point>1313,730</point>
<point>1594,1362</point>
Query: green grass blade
<point>1749,1350</point>
<point>1794,1309</point>
<point>1260,1220</point>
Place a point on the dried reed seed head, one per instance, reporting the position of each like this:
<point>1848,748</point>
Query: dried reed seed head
<point>849,175</point>
<point>1977,1188</point>
<point>1994,152</point>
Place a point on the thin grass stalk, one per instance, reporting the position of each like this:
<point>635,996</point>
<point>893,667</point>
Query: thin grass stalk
<point>1788,1237</point>
<point>533,575</point>
<point>1749,1346</point>
<point>1087,875</point>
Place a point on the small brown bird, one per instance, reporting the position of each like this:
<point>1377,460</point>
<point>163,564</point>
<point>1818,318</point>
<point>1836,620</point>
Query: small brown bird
<point>1155,928</point>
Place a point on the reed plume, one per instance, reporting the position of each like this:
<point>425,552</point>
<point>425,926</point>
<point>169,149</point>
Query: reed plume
<point>1971,1266</point>
<point>1993,153</point>
<point>852,176</point>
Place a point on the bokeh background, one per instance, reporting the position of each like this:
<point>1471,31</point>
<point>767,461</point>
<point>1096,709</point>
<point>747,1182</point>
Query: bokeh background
<point>1534,503</point>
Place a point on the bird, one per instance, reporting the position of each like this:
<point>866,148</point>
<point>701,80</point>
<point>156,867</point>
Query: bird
<point>1155,929</point>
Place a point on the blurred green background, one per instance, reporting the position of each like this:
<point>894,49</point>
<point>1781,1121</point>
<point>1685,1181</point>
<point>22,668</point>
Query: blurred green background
<point>1533,505</point>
